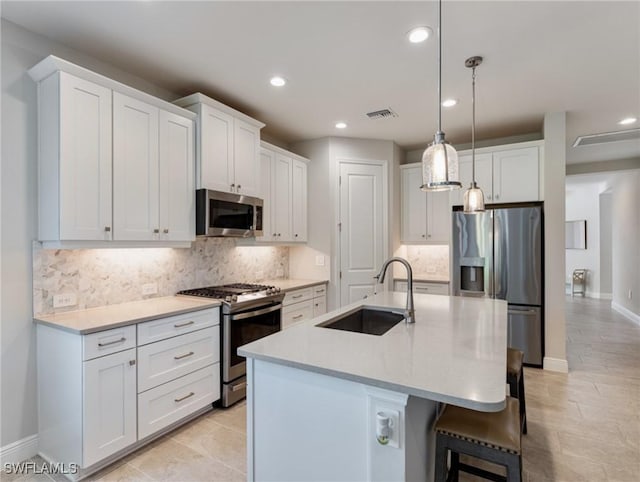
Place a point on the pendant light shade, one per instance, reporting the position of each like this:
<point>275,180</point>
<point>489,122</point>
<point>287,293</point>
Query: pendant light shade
<point>473,197</point>
<point>440,159</point>
<point>440,166</point>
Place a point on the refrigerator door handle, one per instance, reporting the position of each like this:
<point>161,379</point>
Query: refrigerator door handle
<point>530,312</point>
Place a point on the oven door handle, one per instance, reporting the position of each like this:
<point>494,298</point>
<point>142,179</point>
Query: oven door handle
<point>251,314</point>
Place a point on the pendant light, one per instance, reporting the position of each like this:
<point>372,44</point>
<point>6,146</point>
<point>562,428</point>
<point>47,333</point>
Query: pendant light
<point>440,159</point>
<point>473,197</point>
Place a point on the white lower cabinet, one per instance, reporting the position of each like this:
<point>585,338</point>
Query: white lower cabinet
<point>304,304</point>
<point>109,405</point>
<point>104,393</point>
<point>168,403</point>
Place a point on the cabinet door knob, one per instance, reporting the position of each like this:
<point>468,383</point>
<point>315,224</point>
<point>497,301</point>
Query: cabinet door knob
<point>275,234</point>
<point>156,231</point>
<point>239,186</point>
<point>132,362</point>
<point>295,235</point>
<point>165,231</point>
<point>424,235</point>
<point>428,235</point>
<point>107,229</point>
<point>497,196</point>
<point>232,186</point>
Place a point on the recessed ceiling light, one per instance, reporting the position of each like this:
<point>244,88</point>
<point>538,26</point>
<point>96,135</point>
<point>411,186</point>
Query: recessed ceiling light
<point>341,125</point>
<point>277,81</point>
<point>419,34</point>
<point>627,121</point>
<point>449,102</point>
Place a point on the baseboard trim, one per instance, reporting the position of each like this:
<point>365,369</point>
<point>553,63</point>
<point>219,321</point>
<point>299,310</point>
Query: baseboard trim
<point>625,312</point>
<point>19,451</point>
<point>599,296</point>
<point>555,365</point>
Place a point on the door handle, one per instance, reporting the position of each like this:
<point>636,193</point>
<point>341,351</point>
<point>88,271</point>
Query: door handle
<point>522,312</point>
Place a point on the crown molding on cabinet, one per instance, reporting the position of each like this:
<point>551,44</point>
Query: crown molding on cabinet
<point>199,98</point>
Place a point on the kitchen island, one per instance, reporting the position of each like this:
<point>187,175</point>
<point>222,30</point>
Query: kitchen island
<point>315,393</point>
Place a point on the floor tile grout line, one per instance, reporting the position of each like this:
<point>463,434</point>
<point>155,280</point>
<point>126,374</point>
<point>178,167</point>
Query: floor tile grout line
<point>209,457</point>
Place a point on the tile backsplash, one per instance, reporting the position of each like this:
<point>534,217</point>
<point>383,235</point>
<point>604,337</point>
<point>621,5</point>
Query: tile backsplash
<point>101,277</point>
<point>427,262</point>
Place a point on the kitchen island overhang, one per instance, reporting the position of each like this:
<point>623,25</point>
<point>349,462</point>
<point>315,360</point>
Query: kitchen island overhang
<point>314,392</point>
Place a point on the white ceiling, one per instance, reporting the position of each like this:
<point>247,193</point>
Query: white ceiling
<point>343,59</point>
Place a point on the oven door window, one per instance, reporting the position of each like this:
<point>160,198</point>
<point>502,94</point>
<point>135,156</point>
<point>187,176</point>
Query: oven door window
<point>250,329</point>
<point>224,214</point>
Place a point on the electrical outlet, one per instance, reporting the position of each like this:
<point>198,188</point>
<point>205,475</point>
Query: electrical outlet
<point>149,289</point>
<point>65,299</point>
<point>259,275</point>
<point>630,295</point>
<point>320,260</point>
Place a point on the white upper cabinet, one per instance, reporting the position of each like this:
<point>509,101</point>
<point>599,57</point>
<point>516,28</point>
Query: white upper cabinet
<point>504,175</point>
<point>228,146</point>
<point>114,163</point>
<point>299,200</point>
<point>267,160</point>
<point>281,198</point>
<point>135,170</point>
<point>74,175</point>
<point>177,178</point>
<point>283,187</point>
<point>425,216</point>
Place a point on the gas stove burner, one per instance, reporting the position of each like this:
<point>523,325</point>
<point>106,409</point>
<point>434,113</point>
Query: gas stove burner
<point>234,292</point>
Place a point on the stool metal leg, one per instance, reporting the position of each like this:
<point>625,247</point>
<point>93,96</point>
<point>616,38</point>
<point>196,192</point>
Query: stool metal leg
<point>523,405</point>
<point>441,459</point>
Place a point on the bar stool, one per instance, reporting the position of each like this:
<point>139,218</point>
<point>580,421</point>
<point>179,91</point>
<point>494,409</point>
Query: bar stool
<point>515,379</point>
<point>491,436</point>
<point>579,282</point>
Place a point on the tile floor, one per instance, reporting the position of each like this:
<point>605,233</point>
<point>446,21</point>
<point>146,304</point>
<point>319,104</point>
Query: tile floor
<point>584,426</point>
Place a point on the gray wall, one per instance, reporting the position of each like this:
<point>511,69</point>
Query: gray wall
<point>626,241</point>
<point>606,232</point>
<point>21,50</point>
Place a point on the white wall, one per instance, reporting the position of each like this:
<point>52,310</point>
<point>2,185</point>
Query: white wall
<point>554,209</point>
<point>20,51</point>
<point>626,244</point>
<point>583,203</point>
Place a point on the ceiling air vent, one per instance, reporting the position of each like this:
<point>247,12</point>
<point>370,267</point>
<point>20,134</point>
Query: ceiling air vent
<point>590,140</point>
<point>381,114</point>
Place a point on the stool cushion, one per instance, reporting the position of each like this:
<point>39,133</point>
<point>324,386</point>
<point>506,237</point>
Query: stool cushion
<point>498,430</point>
<point>515,359</point>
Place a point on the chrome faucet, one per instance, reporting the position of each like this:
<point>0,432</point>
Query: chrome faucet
<point>409,311</point>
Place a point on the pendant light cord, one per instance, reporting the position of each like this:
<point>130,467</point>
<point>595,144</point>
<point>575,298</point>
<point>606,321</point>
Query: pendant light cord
<point>473,126</point>
<point>439,65</point>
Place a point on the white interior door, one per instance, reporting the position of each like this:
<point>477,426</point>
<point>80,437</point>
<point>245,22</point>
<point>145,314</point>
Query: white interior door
<point>363,202</point>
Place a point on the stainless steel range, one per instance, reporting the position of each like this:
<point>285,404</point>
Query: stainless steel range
<point>249,312</point>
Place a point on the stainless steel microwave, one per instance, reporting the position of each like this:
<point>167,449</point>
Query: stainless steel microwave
<point>226,214</point>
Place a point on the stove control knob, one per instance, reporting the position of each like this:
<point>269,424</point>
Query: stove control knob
<point>227,298</point>
<point>271,291</point>
<point>277,290</point>
<point>234,298</point>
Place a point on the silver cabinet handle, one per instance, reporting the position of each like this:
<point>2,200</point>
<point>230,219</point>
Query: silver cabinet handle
<point>428,235</point>
<point>522,312</point>
<point>112,342</point>
<point>320,291</point>
<point>165,231</point>
<point>156,231</point>
<point>180,357</point>
<point>295,297</point>
<point>424,235</point>
<point>186,323</point>
<point>275,234</point>
<point>298,316</point>
<point>107,229</point>
<point>191,394</point>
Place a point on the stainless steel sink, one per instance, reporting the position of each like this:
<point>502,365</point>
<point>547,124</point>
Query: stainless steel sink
<point>365,320</point>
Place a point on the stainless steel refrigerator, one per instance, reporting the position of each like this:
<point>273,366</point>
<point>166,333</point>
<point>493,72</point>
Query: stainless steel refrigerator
<point>499,254</point>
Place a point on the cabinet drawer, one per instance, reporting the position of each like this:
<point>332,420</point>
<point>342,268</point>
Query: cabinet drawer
<point>297,312</point>
<point>319,306</point>
<point>108,341</point>
<point>162,328</point>
<point>168,403</point>
<point>320,290</point>
<point>297,296</point>
<point>169,359</point>
<point>424,288</point>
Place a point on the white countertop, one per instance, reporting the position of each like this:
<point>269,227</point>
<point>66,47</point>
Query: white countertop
<point>292,284</point>
<point>454,353</point>
<point>112,316</point>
